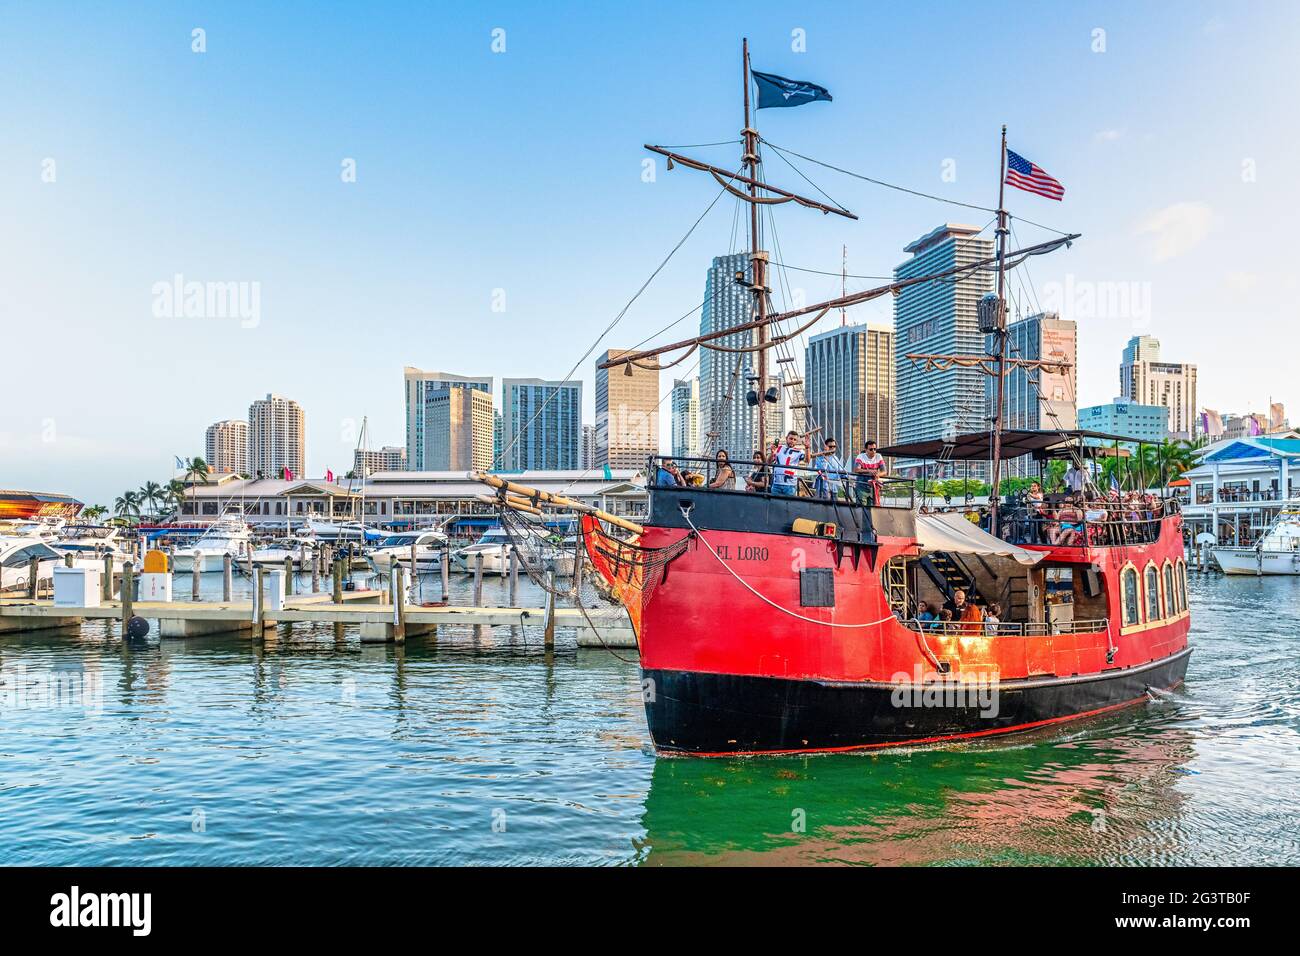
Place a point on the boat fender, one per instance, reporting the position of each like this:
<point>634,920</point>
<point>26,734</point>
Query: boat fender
<point>817,529</point>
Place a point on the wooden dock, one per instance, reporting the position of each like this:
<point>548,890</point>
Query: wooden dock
<point>378,622</point>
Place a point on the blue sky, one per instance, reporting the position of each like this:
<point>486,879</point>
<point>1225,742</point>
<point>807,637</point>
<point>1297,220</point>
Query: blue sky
<point>521,171</point>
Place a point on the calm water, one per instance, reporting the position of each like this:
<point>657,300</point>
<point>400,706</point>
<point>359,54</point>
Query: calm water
<point>457,751</point>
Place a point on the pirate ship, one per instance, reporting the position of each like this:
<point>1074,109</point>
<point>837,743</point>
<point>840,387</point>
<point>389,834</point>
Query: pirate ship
<point>773,623</point>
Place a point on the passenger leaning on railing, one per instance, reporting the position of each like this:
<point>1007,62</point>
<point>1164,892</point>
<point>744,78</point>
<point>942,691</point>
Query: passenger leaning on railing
<point>724,478</point>
<point>760,478</point>
<point>830,470</point>
<point>869,466</point>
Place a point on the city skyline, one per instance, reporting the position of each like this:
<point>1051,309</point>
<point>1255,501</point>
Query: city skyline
<point>1181,237</point>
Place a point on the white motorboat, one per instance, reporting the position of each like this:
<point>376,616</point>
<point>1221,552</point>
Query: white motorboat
<point>429,547</point>
<point>88,544</point>
<point>229,535</point>
<point>1277,552</point>
<point>333,532</point>
<point>16,553</point>
<point>496,548</point>
<point>299,549</point>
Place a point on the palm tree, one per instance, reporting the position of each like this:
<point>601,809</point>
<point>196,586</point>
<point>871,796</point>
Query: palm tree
<point>174,493</point>
<point>127,505</point>
<point>94,512</point>
<point>196,469</point>
<point>151,494</point>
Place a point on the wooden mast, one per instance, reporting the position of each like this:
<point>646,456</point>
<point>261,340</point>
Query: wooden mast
<point>758,270</point>
<point>995,474</point>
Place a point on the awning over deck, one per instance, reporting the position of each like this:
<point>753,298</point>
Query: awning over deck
<point>955,534</point>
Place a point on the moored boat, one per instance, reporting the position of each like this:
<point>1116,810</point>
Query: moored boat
<point>1276,552</point>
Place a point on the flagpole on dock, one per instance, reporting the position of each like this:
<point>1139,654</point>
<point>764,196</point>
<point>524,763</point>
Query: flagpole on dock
<point>1001,337</point>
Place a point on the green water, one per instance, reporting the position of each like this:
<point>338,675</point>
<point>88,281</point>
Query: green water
<point>489,750</point>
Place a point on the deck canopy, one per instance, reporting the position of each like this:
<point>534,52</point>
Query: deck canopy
<point>978,446</point>
<point>955,534</point>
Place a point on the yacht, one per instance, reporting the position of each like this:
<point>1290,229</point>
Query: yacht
<point>229,535</point>
<point>429,546</point>
<point>301,549</point>
<point>1277,552</point>
<point>16,552</point>
<point>496,547</point>
<point>333,532</point>
<point>89,543</point>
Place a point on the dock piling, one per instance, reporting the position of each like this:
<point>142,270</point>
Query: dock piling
<point>128,593</point>
<point>446,572</point>
<point>514,578</point>
<point>478,588</point>
<point>194,580</point>
<point>33,576</point>
<point>106,583</point>
<point>227,576</point>
<point>548,632</point>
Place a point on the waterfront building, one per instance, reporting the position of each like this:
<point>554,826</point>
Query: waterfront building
<point>1145,378</point>
<point>388,458</point>
<point>541,424</point>
<point>849,385</point>
<point>1127,419</point>
<point>397,499</point>
<point>685,426</point>
<point>1037,399</point>
<point>1239,485</point>
<point>277,437</point>
<point>226,447</point>
<point>940,317</point>
<point>458,429</point>
<point>418,386</point>
<point>627,412</point>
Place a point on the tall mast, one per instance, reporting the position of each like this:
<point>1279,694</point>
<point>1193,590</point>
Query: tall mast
<point>1001,338</point>
<point>758,277</point>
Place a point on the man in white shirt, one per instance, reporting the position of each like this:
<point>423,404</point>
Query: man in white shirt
<point>785,460</point>
<point>830,470</point>
<point>869,466</point>
<point>1074,478</point>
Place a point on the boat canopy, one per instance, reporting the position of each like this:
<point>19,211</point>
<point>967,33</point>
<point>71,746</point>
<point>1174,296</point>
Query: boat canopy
<point>955,534</point>
<point>978,446</point>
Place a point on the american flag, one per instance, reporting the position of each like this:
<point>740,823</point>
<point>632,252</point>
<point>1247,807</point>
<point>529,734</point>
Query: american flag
<point>1023,174</point>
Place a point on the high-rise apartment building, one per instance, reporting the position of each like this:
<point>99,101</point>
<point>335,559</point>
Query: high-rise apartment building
<point>686,418</point>
<point>1037,399</point>
<point>849,386</point>
<point>226,447</point>
<point>940,318</point>
<point>458,429</point>
<point>1146,379</point>
<point>588,447</point>
<point>627,412</point>
<point>277,437</point>
<point>418,385</point>
<point>388,458</point>
<point>541,424</point>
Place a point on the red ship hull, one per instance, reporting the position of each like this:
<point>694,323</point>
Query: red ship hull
<point>737,659</point>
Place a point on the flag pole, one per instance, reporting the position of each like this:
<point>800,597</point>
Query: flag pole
<point>1001,338</point>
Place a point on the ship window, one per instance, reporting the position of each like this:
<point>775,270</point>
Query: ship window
<point>817,587</point>
<point>1128,585</point>
<point>1182,586</point>
<point>1153,593</point>
<point>1171,602</point>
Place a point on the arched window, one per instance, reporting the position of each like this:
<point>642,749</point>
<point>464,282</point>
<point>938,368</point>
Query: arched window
<point>1182,585</point>
<point>1153,593</point>
<point>1128,586</point>
<point>1171,599</point>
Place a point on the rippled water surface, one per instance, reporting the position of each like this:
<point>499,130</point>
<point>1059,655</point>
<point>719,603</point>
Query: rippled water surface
<point>488,750</point>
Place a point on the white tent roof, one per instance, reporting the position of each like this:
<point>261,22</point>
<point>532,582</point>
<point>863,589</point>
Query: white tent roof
<point>953,532</point>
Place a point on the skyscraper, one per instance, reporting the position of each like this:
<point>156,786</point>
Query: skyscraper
<point>1037,399</point>
<point>588,447</point>
<point>226,447</point>
<point>541,424</point>
<point>458,429</point>
<point>418,385</point>
<point>1145,379</point>
<point>686,418</point>
<point>849,384</point>
<point>940,317</point>
<point>277,437</point>
<point>627,412</point>
<point>727,420</point>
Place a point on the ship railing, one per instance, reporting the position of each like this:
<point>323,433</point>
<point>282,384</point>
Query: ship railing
<point>1098,524</point>
<point>664,471</point>
<point>1007,628</point>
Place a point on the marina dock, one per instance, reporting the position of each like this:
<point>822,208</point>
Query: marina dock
<point>378,622</point>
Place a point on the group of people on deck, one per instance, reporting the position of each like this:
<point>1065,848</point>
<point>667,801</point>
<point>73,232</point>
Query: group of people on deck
<point>1085,516</point>
<point>780,469</point>
<point>960,614</point>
